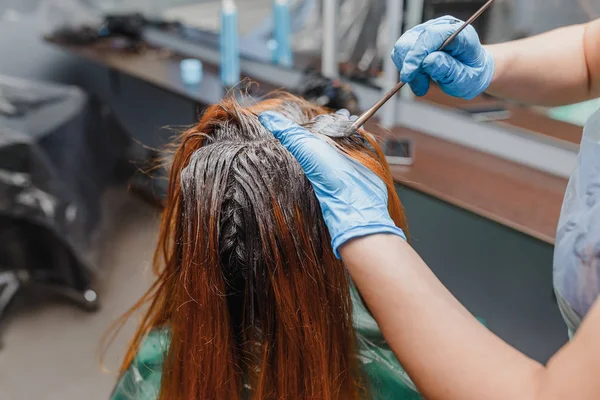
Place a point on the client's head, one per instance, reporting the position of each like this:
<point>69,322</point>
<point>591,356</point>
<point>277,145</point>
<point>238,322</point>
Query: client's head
<point>248,285</point>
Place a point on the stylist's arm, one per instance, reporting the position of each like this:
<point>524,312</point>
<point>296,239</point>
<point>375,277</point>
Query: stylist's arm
<point>446,351</point>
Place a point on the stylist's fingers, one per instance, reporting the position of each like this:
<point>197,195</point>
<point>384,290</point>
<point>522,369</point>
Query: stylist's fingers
<point>419,83</point>
<point>343,112</point>
<point>304,146</point>
<point>288,132</point>
<point>442,67</point>
<point>428,42</point>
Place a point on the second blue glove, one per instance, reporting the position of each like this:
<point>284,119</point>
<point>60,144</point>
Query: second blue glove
<point>463,69</point>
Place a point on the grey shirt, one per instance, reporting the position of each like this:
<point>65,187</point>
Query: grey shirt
<point>577,249</point>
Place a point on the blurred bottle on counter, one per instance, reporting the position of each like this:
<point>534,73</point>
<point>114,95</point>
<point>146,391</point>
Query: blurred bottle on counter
<point>229,47</point>
<point>282,49</point>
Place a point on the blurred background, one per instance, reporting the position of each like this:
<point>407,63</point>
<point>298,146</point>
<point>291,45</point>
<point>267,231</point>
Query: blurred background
<point>92,90</point>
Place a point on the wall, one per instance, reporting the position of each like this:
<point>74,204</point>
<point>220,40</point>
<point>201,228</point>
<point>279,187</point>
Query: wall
<point>25,54</point>
<point>543,15</point>
<point>516,18</point>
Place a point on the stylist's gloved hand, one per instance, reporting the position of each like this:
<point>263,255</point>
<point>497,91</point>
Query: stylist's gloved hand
<point>463,69</point>
<point>353,199</point>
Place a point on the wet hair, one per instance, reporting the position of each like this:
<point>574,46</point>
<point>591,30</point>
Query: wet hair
<point>247,282</point>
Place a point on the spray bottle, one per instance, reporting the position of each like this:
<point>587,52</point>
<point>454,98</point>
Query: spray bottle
<point>230,56</point>
<point>282,33</point>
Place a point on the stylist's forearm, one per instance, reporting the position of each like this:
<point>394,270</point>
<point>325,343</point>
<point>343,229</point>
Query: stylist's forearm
<point>446,351</point>
<point>548,69</point>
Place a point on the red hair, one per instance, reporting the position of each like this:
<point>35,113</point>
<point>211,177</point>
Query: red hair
<point>247,282</point>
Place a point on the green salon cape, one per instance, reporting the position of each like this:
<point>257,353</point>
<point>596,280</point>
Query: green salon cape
<point>386,378</point>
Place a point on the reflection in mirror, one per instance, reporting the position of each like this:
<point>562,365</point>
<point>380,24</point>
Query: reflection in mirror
<point>516,19</point>
<point>523,18</point>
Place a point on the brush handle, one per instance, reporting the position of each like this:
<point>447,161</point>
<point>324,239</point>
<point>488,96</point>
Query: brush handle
<point>371,111</point>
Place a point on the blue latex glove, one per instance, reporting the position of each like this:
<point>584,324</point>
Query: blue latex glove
<point>463,69</point>
<point>353,199</point>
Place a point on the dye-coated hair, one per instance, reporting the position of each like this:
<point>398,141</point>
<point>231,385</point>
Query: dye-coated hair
<point>247,281</point>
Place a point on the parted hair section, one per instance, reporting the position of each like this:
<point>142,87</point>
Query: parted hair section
<point>247,284</point>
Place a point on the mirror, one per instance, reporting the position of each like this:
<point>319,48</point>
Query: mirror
<point>514,19</point>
